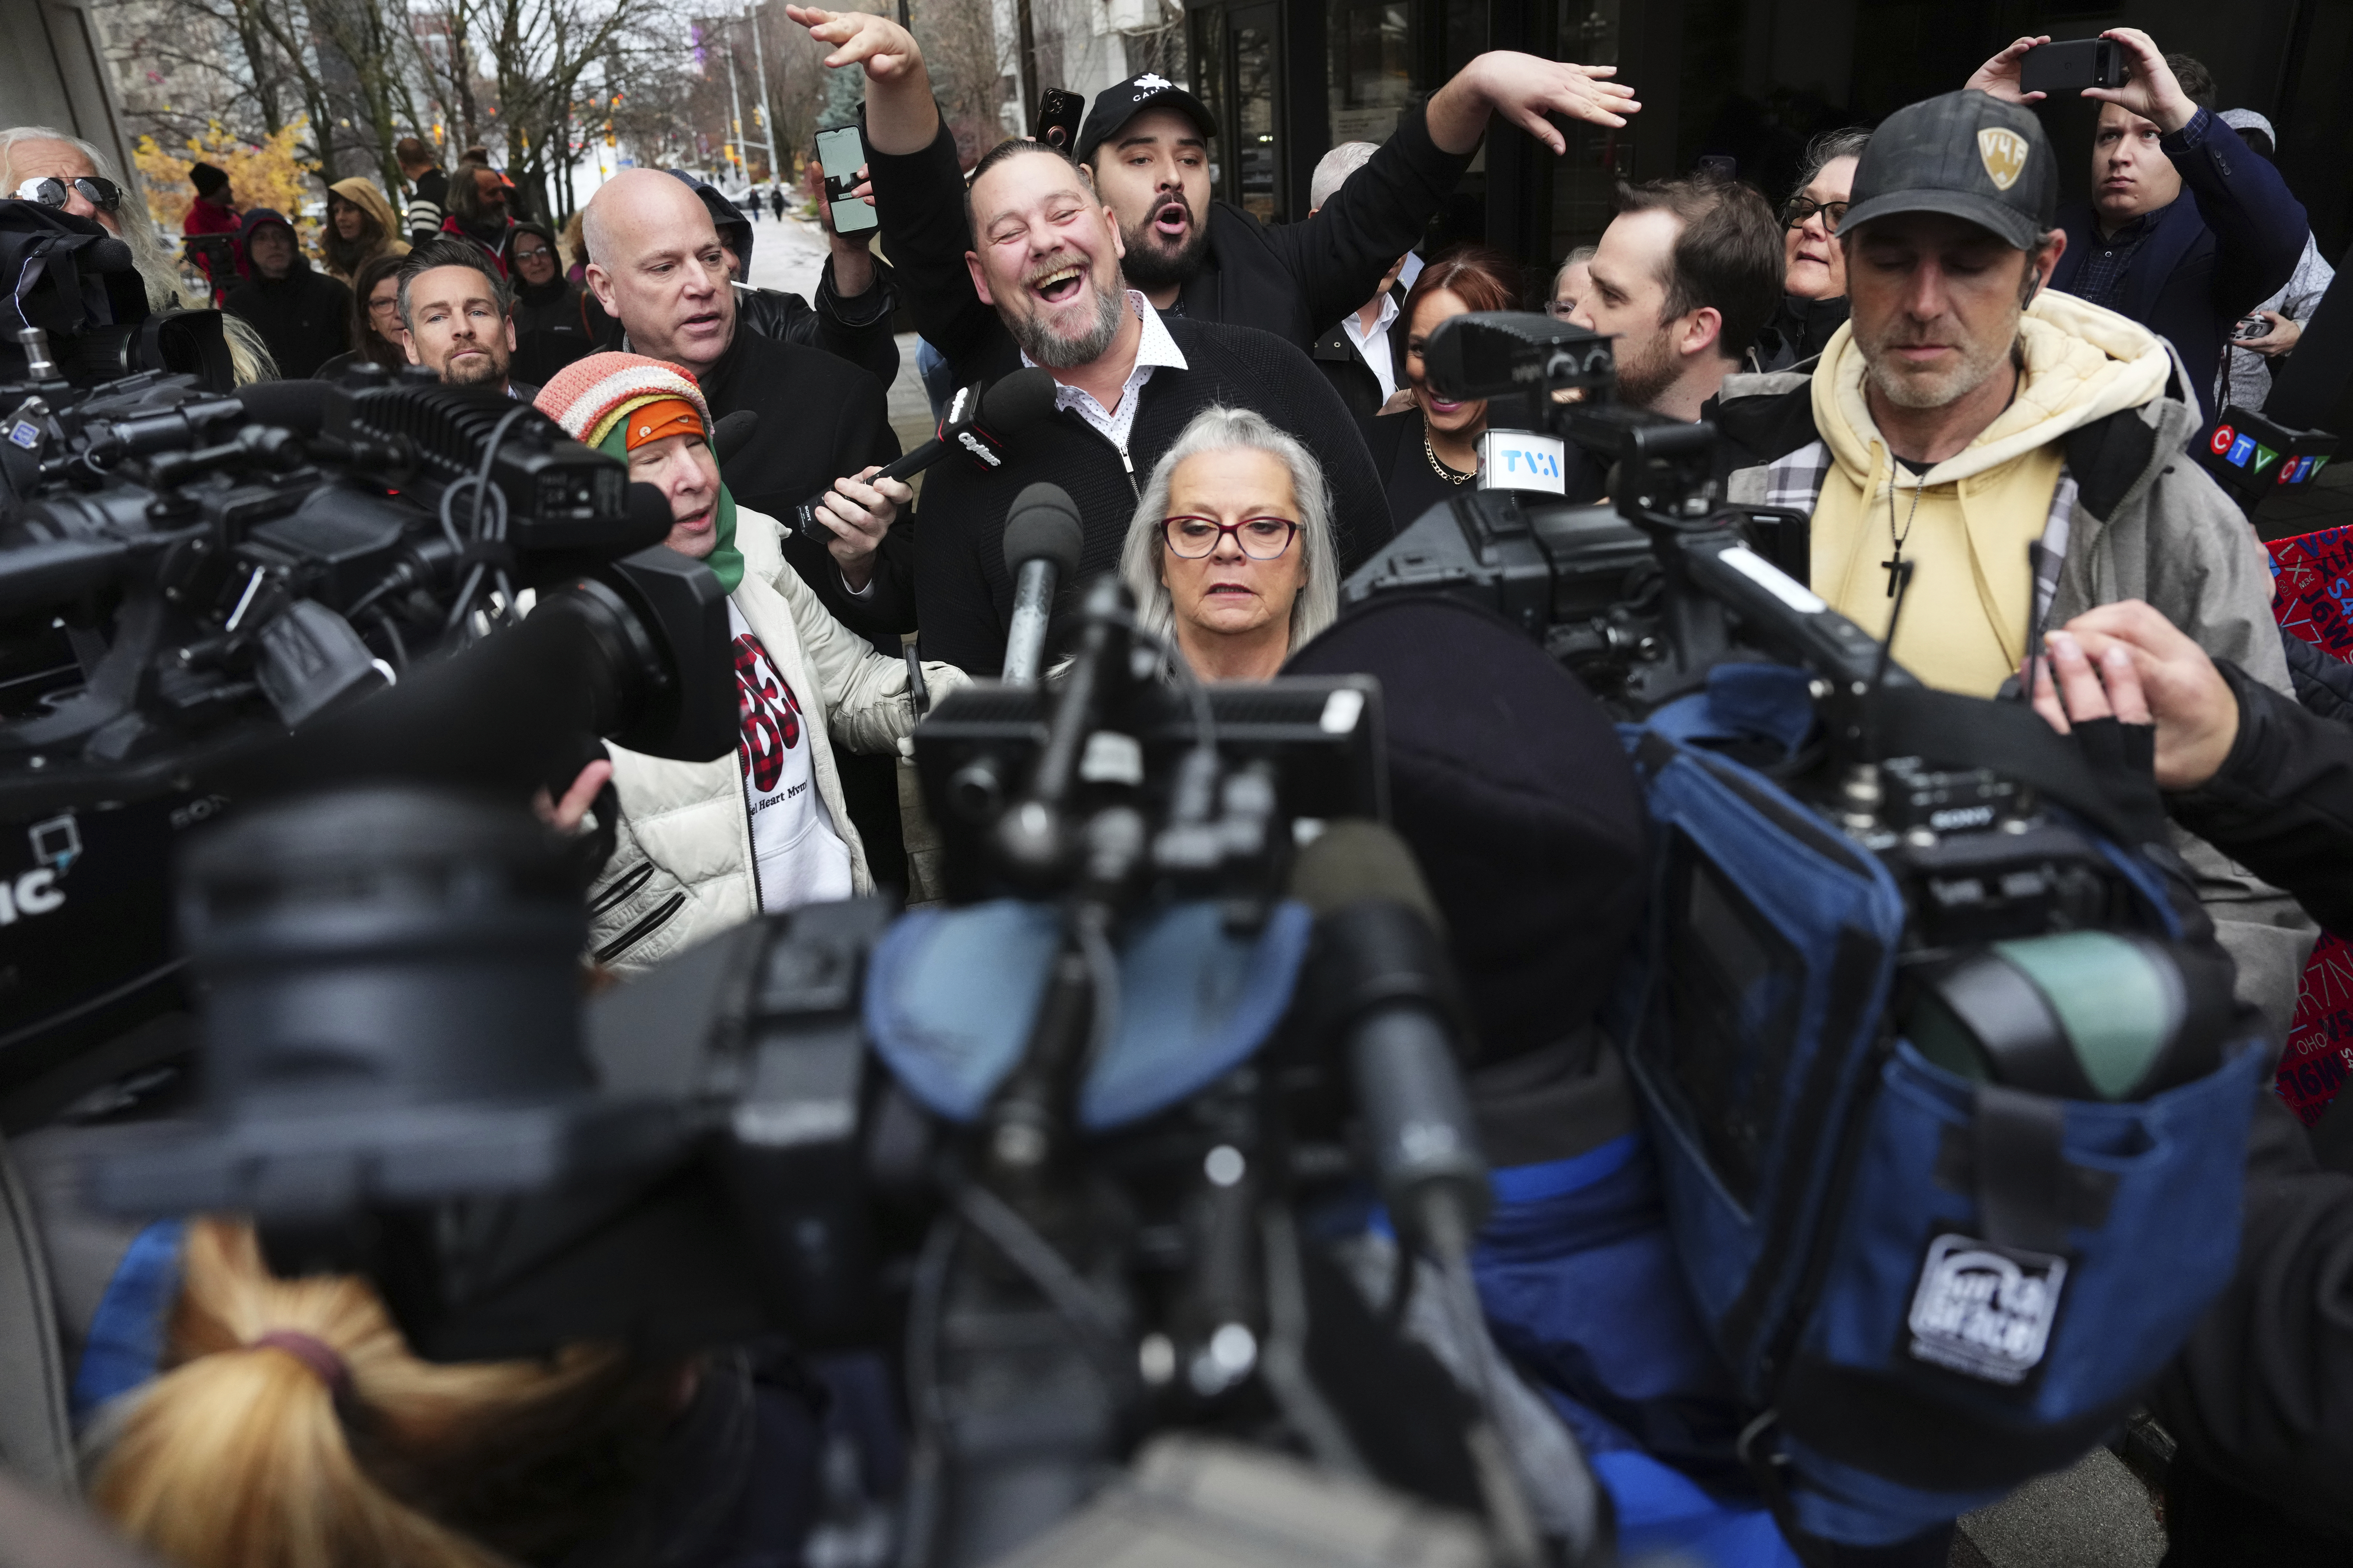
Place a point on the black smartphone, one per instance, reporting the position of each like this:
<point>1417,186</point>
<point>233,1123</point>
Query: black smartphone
<point>2073,66</point>
<point>841,153</point>
<point>1058,118</point>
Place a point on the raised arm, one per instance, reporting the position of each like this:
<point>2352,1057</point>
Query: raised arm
<point>901,116</point>
<point>918,186</point>
<point>1340,254</point>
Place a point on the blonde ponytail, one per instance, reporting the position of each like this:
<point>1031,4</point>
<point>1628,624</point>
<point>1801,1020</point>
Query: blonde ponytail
<point>242,1456</point>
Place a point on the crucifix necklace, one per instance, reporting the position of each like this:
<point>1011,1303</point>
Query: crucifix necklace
<point>1896,566</point>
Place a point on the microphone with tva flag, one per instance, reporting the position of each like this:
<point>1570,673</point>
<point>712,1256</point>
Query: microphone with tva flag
<point>978,420</point>
<point>1042,538</point>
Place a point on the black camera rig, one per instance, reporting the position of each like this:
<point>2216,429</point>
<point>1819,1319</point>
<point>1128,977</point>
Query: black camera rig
<point>400,1079</point>
<point>189,573</point>
<point>1650,596</point>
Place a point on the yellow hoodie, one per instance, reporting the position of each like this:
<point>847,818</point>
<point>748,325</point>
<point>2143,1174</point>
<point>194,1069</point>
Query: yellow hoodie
<point>1965,617</point>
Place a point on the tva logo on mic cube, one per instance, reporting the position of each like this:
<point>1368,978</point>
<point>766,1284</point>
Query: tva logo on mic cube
<point>1522,460</point>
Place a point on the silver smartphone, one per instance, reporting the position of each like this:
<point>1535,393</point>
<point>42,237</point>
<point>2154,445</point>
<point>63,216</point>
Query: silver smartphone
<point>840,154</point>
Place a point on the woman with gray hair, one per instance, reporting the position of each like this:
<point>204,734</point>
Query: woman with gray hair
<point>1229,555</point>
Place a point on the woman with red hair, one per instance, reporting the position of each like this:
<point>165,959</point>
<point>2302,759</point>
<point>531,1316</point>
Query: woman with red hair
<point>1430,450</point>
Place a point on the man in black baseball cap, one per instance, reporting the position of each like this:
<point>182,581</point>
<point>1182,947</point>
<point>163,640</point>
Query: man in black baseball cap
<point>1146,144</point>
<point>2010,452</point>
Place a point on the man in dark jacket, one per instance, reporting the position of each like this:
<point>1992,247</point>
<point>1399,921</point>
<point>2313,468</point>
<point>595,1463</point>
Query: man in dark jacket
<point>655,266</point>
<point>1356,353</point>
<point>1048,273</point>
<point>2261,1400</point>
<point>1146,142</point>
<point>303,317</point>
<point>2184,269</point>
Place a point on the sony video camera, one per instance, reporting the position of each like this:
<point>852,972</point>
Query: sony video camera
<point>189,573</point>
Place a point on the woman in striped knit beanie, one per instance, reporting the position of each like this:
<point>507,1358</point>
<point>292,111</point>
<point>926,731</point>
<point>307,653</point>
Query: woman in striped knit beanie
<point>703,845</point>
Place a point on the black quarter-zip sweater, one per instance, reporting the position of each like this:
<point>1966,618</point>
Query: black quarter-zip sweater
<point>964,596</point>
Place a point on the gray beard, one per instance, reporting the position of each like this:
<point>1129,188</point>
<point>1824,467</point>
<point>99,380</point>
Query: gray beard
<point>1068,353</point>
<point>1977,365</point>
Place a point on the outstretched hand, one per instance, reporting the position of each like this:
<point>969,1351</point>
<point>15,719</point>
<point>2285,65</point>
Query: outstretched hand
<point>901,116</point>
<point>1524,90</point>
<point>2127,661</point>
<point>885,50</point>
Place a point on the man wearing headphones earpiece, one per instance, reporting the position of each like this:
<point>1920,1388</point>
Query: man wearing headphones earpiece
<point>1998,456</point>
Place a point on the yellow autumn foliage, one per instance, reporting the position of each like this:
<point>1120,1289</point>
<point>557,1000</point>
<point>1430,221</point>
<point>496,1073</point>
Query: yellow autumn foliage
<point>269,173</point>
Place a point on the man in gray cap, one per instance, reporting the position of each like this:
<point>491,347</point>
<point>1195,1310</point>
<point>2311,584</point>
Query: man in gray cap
<point>2006,454</point>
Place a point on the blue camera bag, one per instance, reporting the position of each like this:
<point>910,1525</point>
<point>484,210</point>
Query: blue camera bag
<point>1930,1289</point>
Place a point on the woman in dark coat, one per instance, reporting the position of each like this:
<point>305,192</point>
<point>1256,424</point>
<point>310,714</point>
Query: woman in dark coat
<point>550,330</point>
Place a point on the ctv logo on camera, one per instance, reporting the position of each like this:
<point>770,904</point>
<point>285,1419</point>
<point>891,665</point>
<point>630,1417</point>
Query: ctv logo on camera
<point>2243,451</point>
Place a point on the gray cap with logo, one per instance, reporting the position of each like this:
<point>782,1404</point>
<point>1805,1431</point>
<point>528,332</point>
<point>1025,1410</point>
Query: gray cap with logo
<point>1967,155</point>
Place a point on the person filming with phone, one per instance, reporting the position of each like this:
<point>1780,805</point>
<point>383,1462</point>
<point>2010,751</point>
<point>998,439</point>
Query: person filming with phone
<point>2186,231</point>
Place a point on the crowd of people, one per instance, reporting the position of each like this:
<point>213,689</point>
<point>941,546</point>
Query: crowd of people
<point>1981,397</point>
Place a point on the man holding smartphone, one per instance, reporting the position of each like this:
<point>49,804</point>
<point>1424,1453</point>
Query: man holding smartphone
<point>2186,268</point>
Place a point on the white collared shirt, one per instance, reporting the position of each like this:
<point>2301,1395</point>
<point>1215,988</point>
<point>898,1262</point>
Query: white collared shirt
<point>1373,347</point>
<point>1156,350</point>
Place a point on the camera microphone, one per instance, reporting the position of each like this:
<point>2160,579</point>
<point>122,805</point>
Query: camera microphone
<point>1383,985</point>
<point>979,418</point>
<point>1042,539</point>
<point>1379,980</point>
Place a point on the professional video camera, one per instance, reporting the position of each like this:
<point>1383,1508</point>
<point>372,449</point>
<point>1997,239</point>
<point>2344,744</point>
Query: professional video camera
<point>186,572</point>
<point>1661,592</point>
<point>1059,1147</point>
<point>1876,907</point>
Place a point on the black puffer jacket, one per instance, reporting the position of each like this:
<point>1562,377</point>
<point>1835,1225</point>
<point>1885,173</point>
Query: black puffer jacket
<point>2323,683</point>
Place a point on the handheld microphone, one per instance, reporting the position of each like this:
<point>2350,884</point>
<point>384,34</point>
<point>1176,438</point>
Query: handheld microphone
<point>1042,538</point>
<point>978,419</point>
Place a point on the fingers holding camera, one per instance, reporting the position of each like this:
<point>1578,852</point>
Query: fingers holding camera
<point>2281,339</point>
<point>2000,75</point>
<point>2150,90</point>
<point>859,512</point>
